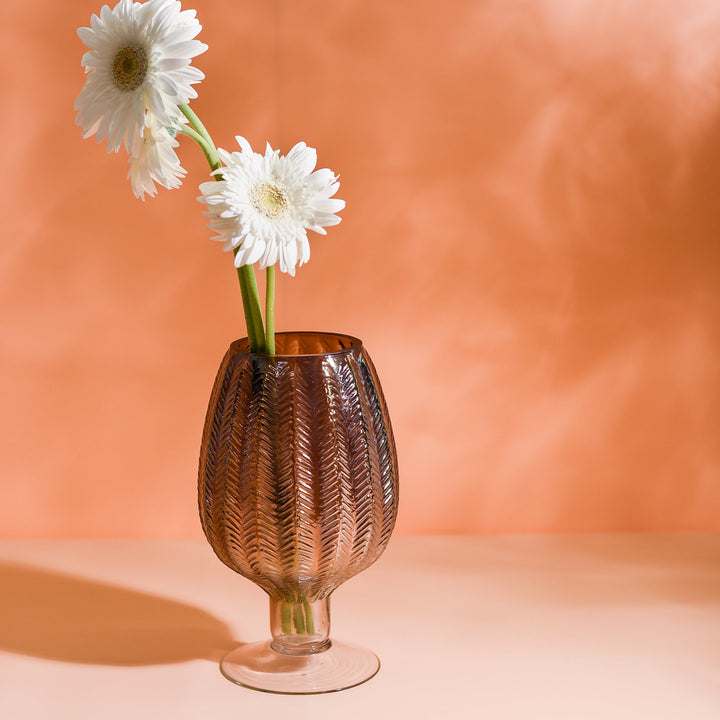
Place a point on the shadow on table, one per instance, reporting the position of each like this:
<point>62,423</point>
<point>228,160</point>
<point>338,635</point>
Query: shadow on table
<point>71,619</point>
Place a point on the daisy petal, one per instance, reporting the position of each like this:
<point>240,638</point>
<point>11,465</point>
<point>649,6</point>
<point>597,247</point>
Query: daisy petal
<point>138,68</point>
<point>270,201</point>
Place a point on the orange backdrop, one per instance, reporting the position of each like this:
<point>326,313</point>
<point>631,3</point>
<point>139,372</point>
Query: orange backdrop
<point>530,251</point>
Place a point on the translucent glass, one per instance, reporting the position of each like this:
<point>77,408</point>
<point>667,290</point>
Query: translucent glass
<point>298,492</point>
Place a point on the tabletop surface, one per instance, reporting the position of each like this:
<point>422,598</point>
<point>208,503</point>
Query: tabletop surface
<point>499,627</point>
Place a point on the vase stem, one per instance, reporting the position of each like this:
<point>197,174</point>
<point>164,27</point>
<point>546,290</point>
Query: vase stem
<point>299,626</point>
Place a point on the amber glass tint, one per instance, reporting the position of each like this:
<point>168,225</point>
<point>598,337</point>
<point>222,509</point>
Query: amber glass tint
<point>298,484</point>
<point>298,474</point>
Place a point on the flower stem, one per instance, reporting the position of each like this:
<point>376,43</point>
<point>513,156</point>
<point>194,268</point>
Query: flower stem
<point>309,622</point>
<point>246,273</point>
<point>194,120</point>
<point>200,140</point>
<point>298,618</point>
<point>251,306</point>
<point>270,310</point>
<point>286,618</point>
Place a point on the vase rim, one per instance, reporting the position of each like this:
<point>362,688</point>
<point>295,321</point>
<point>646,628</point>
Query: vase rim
<point>338,344</point>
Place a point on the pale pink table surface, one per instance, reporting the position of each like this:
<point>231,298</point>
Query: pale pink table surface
<point>496,628</point>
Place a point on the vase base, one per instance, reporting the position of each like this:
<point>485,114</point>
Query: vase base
<point>259,667</point>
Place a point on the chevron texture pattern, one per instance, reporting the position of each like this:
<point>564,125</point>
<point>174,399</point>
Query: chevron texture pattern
<point>298,482</point>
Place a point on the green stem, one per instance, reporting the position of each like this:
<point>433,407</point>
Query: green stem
<point>194,120</point>
<point>270,310</point>
<point>298,618</point>
<point>309,622</point>
<point>246,274</point>
<point>286,618</point>
<point>251,306</point>
<point>208,150</point>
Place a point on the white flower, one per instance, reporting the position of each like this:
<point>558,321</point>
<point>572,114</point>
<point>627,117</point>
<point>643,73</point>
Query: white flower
<point>138,70</point>
<point>264,205</point>
<point>153,159</point>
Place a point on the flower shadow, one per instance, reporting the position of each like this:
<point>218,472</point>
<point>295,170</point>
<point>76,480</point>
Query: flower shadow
<point>78,620</point>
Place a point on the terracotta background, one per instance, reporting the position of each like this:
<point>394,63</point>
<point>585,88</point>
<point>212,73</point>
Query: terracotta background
<point>530,251</point>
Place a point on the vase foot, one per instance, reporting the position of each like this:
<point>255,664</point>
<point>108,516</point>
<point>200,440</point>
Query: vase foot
<point>259,667</point>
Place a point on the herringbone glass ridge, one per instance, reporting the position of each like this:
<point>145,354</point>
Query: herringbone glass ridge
<point>298,487</point>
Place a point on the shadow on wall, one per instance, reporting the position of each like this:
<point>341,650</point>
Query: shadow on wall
<point>69,619</point>
<point>532,194</point>
<point>596,324</point>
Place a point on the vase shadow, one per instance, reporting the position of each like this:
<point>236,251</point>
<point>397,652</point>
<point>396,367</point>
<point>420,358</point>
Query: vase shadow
<point>79,620</point>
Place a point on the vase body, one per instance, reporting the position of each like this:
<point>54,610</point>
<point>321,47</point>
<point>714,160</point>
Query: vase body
<point>298,487</point>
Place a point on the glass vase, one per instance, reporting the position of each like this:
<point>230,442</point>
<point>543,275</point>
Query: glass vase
<point>298,492</point>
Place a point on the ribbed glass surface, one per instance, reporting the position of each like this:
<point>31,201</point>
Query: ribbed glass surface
<point>298,481</point>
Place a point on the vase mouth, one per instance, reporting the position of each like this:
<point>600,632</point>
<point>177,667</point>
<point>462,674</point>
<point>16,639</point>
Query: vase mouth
<point>306,343</point>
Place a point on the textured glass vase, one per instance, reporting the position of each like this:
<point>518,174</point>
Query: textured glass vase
<point>298,492</point>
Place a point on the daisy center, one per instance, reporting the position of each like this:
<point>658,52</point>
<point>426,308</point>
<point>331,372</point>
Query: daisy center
<point>270,200</point>
<point>130,67</point>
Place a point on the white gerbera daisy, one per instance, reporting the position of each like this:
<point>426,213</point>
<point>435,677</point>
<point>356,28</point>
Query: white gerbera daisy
<point>138,67</point>
<point>152,160</point>
<point>264,205</point>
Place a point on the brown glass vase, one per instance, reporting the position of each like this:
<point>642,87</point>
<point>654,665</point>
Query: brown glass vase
<point>298,492</point>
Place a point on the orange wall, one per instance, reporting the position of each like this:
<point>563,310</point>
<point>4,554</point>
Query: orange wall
<point>530,251</point>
